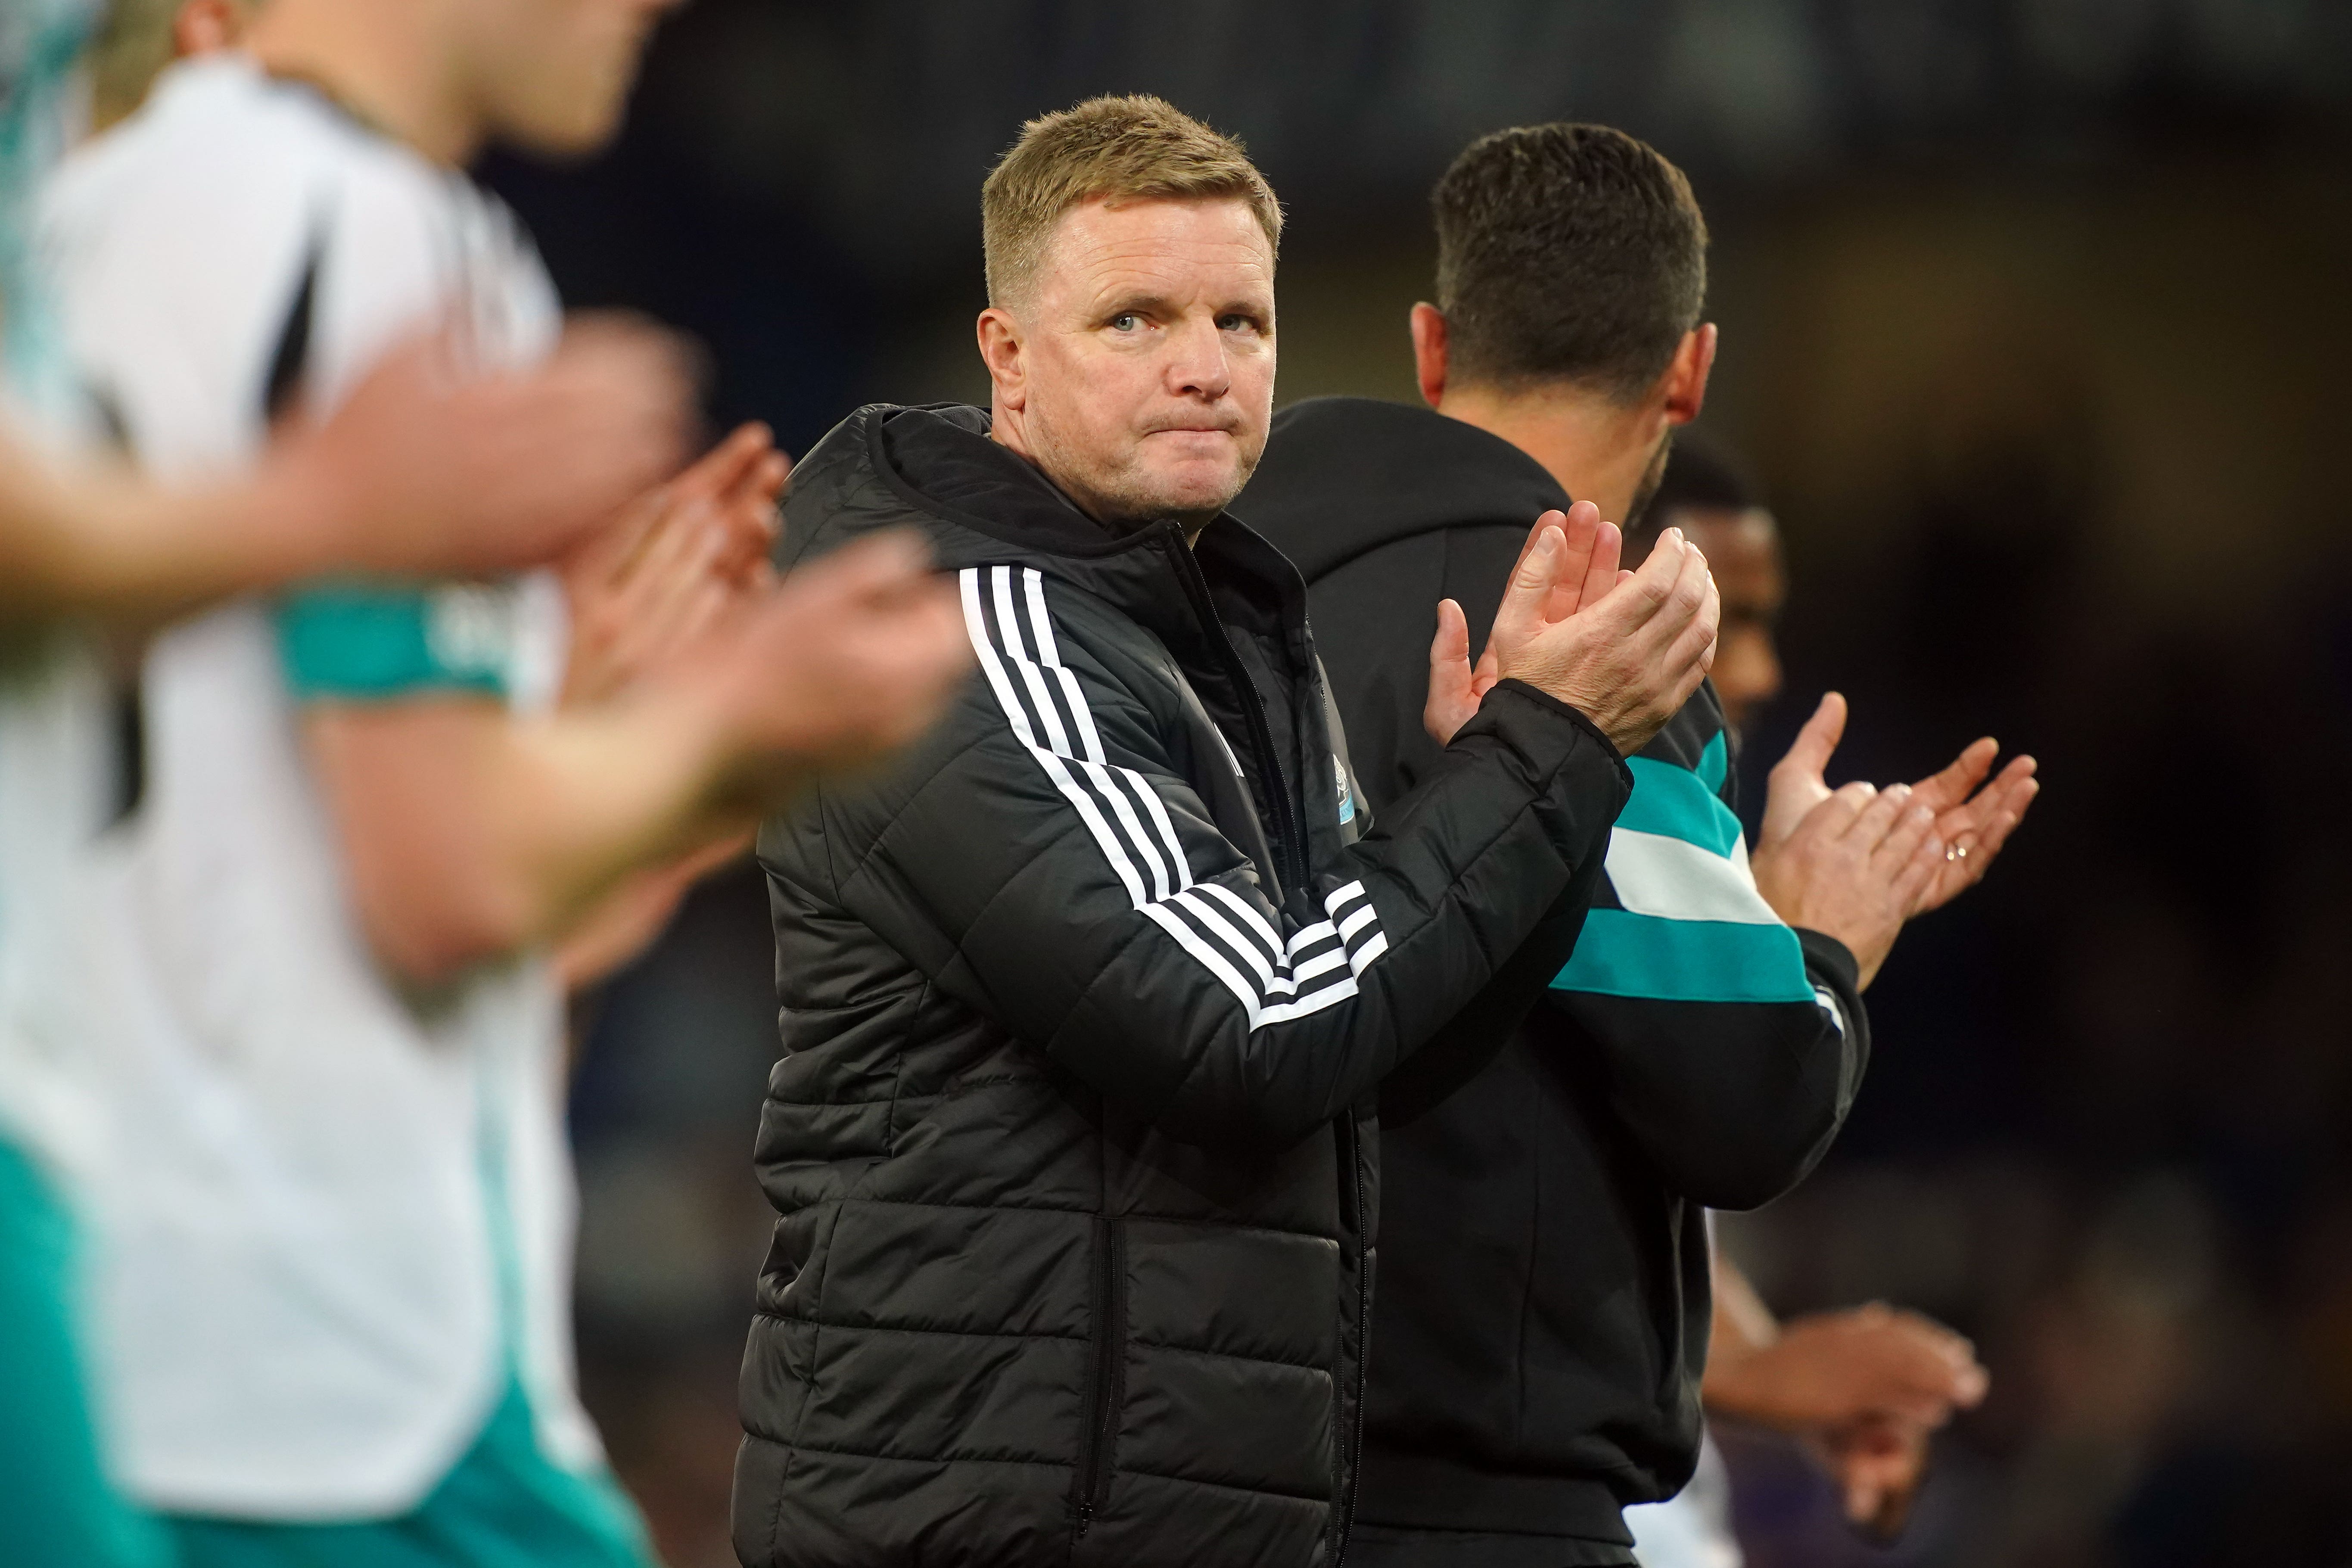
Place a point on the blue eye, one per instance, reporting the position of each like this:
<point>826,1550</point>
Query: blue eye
<point>1126,321</point>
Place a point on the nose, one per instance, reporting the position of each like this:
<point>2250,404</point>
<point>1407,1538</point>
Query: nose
<point>1197,366</point>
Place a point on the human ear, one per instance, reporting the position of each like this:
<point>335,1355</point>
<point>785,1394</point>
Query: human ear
<point>1685,379</point>
<point>1429,351</point>
<point>1000,351</point>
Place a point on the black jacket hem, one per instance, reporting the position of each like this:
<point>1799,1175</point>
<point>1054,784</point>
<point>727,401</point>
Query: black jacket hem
<point>1433,1491</point>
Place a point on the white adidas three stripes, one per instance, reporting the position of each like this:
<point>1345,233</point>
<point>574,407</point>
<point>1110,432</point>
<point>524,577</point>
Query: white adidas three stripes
<point>1231,936</point>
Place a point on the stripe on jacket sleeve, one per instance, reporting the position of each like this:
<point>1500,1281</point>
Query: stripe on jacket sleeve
<point>1678,880</point>
<point>1276,977</point>
<point>1669,799</point>
<point>1082,752</point>
<point>1624,954</point>
<point>1688,924</point>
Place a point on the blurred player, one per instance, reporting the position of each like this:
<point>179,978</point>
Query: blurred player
<point>302,978</point>
<point>1864,1388</point>
<point>407,478</point>
<point>639,592</point>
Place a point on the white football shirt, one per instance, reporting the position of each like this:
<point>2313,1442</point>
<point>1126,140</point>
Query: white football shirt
<point>334,1219</point>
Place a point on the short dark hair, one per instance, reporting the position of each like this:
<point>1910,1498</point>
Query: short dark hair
<point>1567,253</point>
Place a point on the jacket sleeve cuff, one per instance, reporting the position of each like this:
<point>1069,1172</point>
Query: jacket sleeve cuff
<point>1832,960</point>
<point>1524,711</point>
<point>1830,964</point>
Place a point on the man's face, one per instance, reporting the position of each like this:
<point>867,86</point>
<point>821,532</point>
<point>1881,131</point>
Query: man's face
<point>1145,374</point>
<point>1743,547</point>
<point>554,76</point>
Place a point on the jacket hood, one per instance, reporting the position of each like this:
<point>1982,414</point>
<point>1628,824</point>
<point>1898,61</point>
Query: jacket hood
<point>1348,475</point>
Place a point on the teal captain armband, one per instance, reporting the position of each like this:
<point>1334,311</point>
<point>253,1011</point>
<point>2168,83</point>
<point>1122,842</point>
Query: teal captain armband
<point>356,641</point>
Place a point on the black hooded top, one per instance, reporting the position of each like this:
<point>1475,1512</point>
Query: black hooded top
<point>1084,1001</point>
<point>1544,1295</point>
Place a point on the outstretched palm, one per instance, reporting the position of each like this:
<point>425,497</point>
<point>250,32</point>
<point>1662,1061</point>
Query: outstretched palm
<point>1973,824</point>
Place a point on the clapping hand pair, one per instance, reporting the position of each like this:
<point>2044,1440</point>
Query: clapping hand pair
<point>1624,649</point>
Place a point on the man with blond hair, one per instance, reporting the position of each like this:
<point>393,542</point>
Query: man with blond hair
<point>1085,1000</point>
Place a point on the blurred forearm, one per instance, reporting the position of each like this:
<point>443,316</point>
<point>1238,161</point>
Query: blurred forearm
<point>415,474</point>
<point>102,543</point>
<point>469,835</point>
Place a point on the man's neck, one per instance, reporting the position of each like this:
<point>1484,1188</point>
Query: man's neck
<point>1597,449</point>
<point>392,66</point>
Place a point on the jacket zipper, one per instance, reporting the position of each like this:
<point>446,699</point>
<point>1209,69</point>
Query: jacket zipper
<point>1294,872</point>
<point>1352,1440</point>
<point>1106,1377</point>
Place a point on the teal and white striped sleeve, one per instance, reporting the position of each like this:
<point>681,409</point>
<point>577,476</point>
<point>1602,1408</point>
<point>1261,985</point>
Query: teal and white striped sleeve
<point>1729,1044</point>
<point>1679,918</point>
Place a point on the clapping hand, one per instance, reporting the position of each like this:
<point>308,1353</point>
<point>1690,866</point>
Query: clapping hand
<point>1877,1463</point>
<point>1624,649</point>
<point>1587,570</point>
<point>672,563</point>
<point>1973,824</point>
<point>1856,863</point>
<point>1865,1389</point>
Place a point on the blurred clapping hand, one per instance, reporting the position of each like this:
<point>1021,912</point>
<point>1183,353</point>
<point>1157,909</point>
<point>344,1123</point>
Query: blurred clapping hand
<point>671,563</point>
<point>832,667</point>
<point>422,472</point>
<point>1865,1389</point>
<point>647,586</point>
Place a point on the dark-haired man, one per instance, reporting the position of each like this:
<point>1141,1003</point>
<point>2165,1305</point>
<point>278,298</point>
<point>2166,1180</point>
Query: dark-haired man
<point>1543,1299</point>
<point>1084,1001</point>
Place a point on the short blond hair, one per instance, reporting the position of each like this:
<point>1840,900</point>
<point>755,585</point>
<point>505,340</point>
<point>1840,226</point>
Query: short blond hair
<point>1132,148</point>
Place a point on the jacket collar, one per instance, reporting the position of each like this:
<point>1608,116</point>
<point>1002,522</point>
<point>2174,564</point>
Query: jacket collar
<point>984,505</point>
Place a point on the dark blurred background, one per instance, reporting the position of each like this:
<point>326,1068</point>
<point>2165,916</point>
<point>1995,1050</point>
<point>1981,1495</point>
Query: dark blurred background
<point>2034,320</point>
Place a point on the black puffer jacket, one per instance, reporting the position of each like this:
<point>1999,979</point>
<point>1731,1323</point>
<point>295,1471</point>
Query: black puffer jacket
<point>1084,1004</point>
